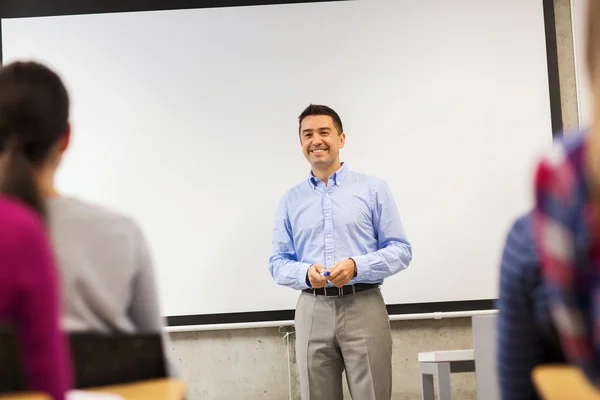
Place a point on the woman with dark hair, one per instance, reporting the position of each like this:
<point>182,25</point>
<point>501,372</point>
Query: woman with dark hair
<point>108,282</point>
<point>29,289</point>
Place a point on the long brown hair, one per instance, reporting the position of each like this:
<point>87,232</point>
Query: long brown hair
<point>18,179</point>
<point>34,115</point>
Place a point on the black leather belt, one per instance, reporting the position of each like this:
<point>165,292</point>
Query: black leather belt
<point>343,291</point>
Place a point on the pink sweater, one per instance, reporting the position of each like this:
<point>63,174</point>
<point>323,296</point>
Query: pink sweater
<point>29,299</point>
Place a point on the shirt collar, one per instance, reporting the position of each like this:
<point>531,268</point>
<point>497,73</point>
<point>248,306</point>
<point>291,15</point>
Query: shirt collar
<point>338,176</point>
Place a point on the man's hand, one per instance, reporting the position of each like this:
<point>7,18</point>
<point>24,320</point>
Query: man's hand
<point>342,273</point>
<point>314,276</point>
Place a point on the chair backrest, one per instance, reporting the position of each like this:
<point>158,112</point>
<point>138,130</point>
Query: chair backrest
<point>98,359</point>
<point>484,347</point>
<point>12,378</point>
<point>101,359</point>
<point>563,382</point>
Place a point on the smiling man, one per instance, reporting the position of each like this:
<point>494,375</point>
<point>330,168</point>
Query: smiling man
<point>337,236</point>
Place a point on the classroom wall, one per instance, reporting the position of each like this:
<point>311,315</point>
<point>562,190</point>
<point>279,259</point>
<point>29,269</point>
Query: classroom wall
<point>253,363</point>
<point>566,64</point>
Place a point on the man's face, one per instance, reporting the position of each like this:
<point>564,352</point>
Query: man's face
<point>321,142</point>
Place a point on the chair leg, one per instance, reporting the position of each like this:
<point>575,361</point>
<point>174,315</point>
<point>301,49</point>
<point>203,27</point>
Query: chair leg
<point>427,387</point>
<point>443,381</point>
<point>427,382</point>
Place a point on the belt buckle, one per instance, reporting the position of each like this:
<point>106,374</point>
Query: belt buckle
<point>340,291</point>
<point>326,292</point>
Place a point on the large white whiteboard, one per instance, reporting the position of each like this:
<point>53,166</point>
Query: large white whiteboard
<point>188,120</point>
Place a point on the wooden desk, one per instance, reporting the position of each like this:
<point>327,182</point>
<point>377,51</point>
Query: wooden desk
<point>27,396</point>
<point>160,389</point>
<point>558,382</point>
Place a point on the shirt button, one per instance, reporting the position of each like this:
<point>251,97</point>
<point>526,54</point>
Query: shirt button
<point>327,194</point>
<point>328,236</point>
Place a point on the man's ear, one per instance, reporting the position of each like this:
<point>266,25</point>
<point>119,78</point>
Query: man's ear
<point>342,140</point>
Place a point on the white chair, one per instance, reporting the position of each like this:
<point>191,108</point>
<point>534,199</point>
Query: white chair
<point>484,345</point>
<point>440,365</point>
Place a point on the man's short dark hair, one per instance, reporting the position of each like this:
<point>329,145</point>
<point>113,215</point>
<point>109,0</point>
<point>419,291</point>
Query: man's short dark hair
<point>318,109</point>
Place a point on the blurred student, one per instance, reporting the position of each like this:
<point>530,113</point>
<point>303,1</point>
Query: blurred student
<point>108,282</point>
<point>29,286</point>
<point>526,335</point>
<point>567,226</point>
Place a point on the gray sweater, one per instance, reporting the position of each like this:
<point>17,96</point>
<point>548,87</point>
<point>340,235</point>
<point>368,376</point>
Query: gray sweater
<point>108,279</point>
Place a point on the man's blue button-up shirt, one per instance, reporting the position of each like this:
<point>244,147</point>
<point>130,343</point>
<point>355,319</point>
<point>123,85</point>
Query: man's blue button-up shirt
<point>353,216</point>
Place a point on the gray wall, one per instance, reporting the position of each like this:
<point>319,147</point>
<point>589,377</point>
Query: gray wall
<point>253,363</point>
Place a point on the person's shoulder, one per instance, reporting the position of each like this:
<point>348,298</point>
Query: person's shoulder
<point>564,151</point>
<point>374,183</point>
<point>573,141</point>
<point>520,237</point>
<point>20,226</point>
<point>521,227</point>
<point>298,191</point>
<point>91,214</point>
<point>361,177</point>
<point>519,255</point>
<point>17,218</point>
<point>560,169</point>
